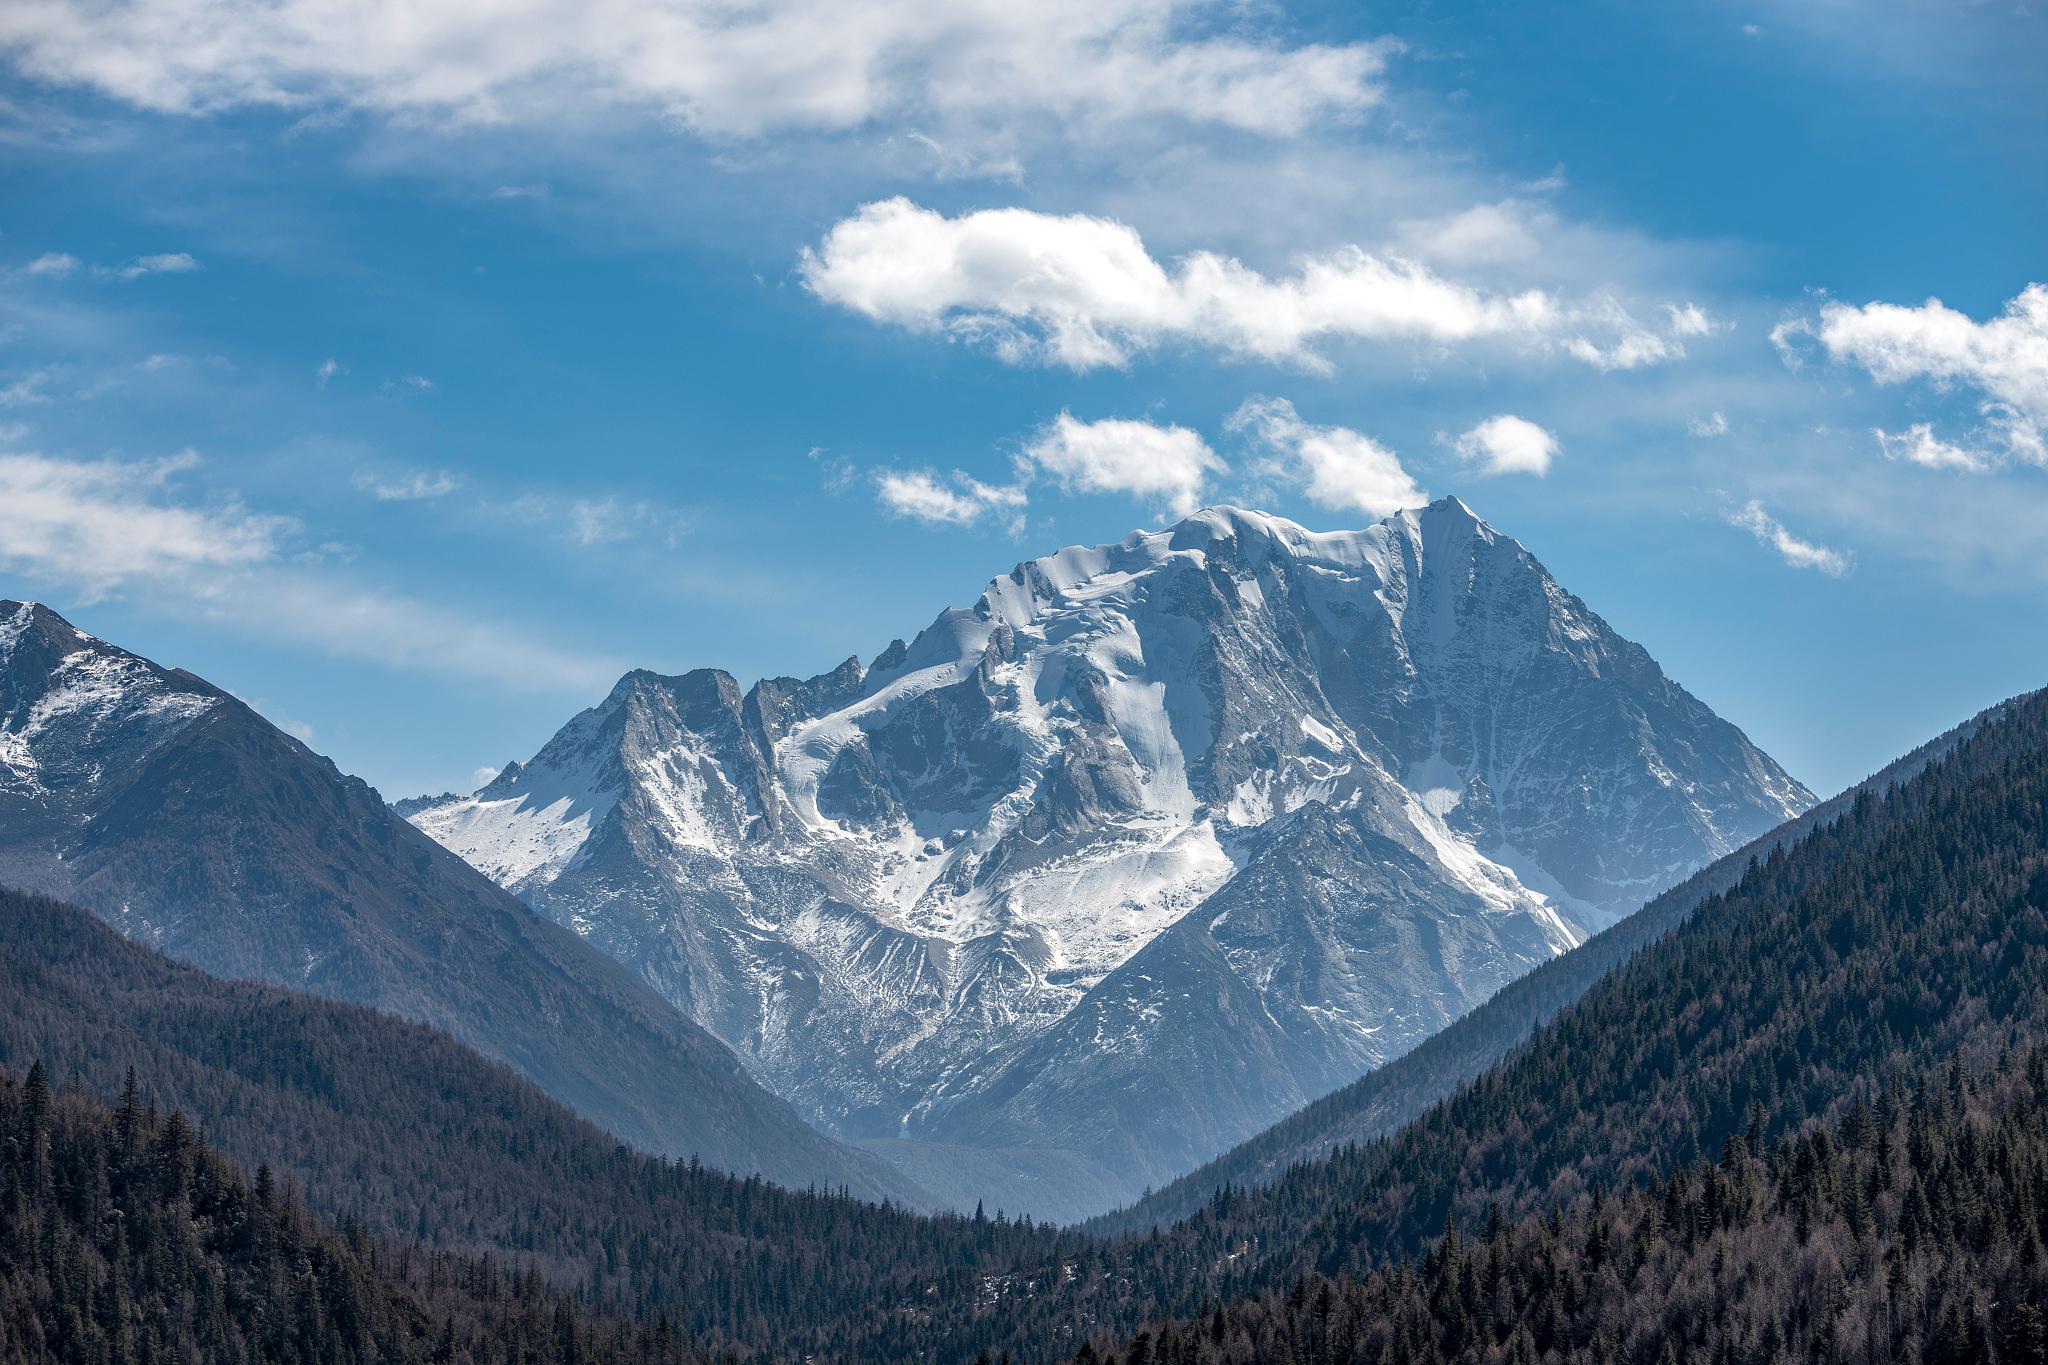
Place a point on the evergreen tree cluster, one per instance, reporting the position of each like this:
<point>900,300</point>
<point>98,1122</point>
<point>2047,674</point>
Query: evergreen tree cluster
<point>125,1240</point>
<point>1909,1232</point>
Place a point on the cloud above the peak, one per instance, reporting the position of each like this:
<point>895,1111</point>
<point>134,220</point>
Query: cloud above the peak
<point>1168,466</point>
<point>1800,554</point>
<point>2003,360</point>
<point>713,68</point>
<point>1507,444</point>
<point>1084,292</point>
<point>921,495</point>
<point>1333,466</point>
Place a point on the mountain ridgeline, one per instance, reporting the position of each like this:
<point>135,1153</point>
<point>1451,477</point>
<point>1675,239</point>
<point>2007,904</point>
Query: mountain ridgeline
<point>192,824</point>
<point>1152,845</point>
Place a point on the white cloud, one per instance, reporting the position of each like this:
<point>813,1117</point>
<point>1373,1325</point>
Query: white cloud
<point>329,368</point>
<point>100,524</point>
<point>1800,554</point>
<point>716,68</point>
<point>1335,466</point>
<point>163,263</point>
<point>415,486</point>
<point>1168,466</point>
<point>28,390</point>
<point>99,527</point>
<point>52,264</point>
<point>483,777</point>
<point>1713,424</point>
<point>409,384</point>
<point>1919,445</point>
<point>1084,292</point>
<point>920,495</point>
<point>1688,320</point>
<point>2005,360</point>
<point>1507,444</point>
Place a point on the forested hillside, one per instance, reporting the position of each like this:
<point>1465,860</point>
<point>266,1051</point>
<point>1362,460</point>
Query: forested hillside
<point>124,1240</point>
<point>1910,1230</point>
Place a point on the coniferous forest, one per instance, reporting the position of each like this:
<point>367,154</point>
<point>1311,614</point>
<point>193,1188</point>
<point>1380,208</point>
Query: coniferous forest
<point>125,1240</point>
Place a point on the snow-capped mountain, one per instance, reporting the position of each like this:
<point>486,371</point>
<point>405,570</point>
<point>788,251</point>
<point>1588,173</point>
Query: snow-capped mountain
<point>1151,844</point>
<point>186,820</point>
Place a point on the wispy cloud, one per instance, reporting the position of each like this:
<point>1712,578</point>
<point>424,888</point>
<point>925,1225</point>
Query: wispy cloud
<point>53,265</point>
<point>163,263</point>
<point>922,495</point>
<point>98,528</point>
<point>1919,445</point>
<point>587,521</point>
<point>104,523</point>
<point>1334,466</point>
<point>1800,554</point>
<point>1085,292</point>
<point>1713,424</point>
<point>714,68</point>
<point>329,368</point>
<point>416,485</point>
<point>27,390</point>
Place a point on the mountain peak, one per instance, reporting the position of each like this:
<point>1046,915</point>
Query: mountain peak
<point>1223,520</point>
<point>18,619</point>
<point>1448,507</point>
<point>1447,520</point>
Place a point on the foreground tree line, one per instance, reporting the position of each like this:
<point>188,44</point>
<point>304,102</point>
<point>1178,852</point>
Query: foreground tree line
<point>124,1240</point>
<point>1911,1232</point>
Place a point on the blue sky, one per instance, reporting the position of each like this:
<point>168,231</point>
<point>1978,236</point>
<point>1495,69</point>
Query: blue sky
<point>414,378</point>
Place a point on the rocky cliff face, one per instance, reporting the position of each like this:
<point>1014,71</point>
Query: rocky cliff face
<point>1153,843</point>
